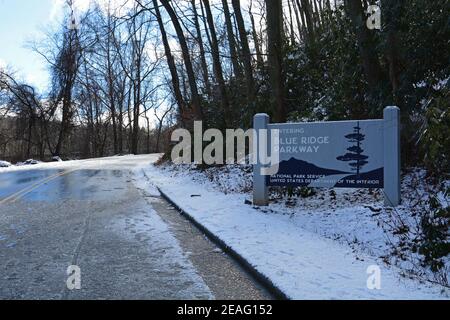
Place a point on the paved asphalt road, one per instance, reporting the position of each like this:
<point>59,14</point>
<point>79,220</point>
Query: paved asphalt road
<point>127,245</point>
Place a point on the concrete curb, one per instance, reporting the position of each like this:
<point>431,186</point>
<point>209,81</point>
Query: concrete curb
<point>244,263</point>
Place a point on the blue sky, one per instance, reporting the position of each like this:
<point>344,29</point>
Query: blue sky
<point>21,21</point>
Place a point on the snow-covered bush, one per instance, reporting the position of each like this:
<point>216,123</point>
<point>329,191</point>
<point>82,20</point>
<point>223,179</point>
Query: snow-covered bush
<point>29,162</point>
<point>418,231</point>
<point>227,179</point>
<point>434,233</point>
<point>4,164</point>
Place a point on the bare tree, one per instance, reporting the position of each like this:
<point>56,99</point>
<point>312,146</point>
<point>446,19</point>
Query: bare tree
<point>65,71</point>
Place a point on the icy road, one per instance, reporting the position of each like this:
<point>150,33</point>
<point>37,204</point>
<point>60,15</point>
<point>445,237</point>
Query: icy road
<point>126,243</point>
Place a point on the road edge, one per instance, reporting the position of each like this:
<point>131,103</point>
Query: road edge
<point>243,262</point>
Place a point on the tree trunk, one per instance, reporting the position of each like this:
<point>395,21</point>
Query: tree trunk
<point>111,93</point>
<point>202,49</point>
<point>291,24</point>
<point>367,50</point>
<point>316,13</point>
<point>246,54</point>
<point>256,40</point>
<point>275,48</point>
<point>171,63</point>
<point>300,20</point>
<point>391,15</point>
<point>231,40</point>
<point>217,65</point>
<point>306,10</point>
<point>196,103</point>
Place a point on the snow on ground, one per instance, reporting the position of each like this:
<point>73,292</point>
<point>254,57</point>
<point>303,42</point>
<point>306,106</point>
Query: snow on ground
<point>317,248</point>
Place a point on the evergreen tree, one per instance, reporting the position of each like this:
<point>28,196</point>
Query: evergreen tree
<point>355,152</point>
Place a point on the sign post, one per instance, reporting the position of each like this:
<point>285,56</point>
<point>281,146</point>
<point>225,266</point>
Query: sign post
<point>340,154</point>
<point>392,165</point>
<point>260,189</point>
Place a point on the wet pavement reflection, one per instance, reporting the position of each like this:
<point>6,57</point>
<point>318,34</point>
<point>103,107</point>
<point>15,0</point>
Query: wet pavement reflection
<point>12,182</point>
<point>83,184</point>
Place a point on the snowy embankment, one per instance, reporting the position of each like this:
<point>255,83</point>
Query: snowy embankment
<point>304,249</point>
<point>37,165</point>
